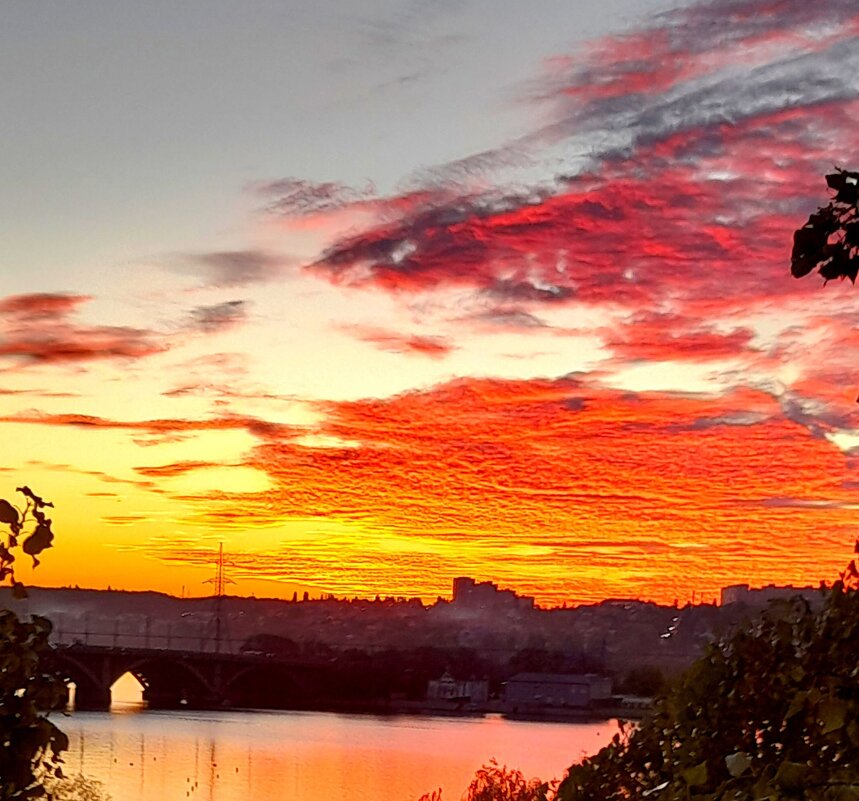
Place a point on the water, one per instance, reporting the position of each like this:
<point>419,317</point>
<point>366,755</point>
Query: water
<point>310,756</point>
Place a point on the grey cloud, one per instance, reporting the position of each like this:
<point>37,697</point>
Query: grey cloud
<point>727,21</point>
<point>739,418</point>
<point>239,267</point>
<point>525,291</point>
<point>410,25</point>
<point>509,318</point>
<point>590,128</point>
<point>813,415</point>
<point>807,80</point>
<point>576,404</point>
<point>410,40</point>
<point>295,197</point>
<point>613,128</point>
<point>218,316</point>
<point>801,503</point>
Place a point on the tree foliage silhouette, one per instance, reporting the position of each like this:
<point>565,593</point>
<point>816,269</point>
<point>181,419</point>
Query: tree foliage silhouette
<point>494,782</point>
<point>769,712</point>
<point>30,744</point>
<point>829,240</point>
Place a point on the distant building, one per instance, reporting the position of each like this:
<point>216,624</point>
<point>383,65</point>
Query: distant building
<point>485,596</point>
<point>761,596</point>
<point>448,688</point>
<point>554,690</point>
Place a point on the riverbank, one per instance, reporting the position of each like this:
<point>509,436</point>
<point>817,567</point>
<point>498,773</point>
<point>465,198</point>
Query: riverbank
<point>533,713</point>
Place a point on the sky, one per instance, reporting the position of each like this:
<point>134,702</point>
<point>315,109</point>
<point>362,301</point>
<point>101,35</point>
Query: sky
<point>382,295</point>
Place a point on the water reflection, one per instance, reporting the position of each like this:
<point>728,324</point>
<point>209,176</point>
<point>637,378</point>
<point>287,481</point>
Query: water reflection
<point>304,756</point>
<point>126,692</point>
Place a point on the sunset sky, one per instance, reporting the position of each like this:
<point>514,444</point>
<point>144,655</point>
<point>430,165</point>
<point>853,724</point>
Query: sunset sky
<point>382,294</point>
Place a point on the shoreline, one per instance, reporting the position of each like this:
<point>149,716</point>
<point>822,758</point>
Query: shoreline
<point>413,709</point>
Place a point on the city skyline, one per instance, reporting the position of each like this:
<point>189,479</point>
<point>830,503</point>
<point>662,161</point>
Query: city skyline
<point>378,299</point>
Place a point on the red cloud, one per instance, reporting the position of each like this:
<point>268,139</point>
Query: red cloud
<point>415,344</point>
<point>254,425</point>
<point>81,345</point>
<point>41,305</point>
<point>174,469</point>
<point>664,337</point>
<point>708,135</point>
<point>37,328</point>
<point>640,233</point>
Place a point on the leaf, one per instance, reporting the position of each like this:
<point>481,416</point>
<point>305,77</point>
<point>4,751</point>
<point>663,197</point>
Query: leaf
<point>61,740</point>
<point>653,790</point>
<point>39,540</point>
<point>832,714</point>
<point>830,270</point>
<point>738,763</point>
<point>8,513</point>
<point>797,704</point>
<point>696,776</point>
<point>791,775</point>
<point>845,185</point>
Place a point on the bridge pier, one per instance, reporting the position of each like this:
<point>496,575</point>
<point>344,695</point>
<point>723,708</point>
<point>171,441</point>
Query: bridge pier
<point>91,698</point>
<point>171,698</point>
<point>163,698</point>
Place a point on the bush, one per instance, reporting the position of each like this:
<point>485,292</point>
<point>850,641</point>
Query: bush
<point>30,744</point>
<point>76,788</point>
<point>771,712</point>
<point>499,783</point>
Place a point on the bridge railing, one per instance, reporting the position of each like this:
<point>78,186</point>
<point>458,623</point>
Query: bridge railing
<point>203,643</point>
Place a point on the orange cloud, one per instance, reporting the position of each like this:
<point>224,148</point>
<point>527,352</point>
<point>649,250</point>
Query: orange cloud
<point>560,488</point>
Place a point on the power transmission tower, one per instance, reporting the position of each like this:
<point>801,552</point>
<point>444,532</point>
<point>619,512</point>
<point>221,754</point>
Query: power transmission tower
<point>219,580</point>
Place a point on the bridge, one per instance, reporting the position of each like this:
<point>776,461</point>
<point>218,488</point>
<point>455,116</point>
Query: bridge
<point>177,679</point>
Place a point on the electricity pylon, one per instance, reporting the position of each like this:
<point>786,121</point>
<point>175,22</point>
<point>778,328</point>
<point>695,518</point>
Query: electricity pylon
<point>220,580</point>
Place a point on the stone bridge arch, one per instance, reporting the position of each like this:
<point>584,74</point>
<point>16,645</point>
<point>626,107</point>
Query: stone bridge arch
<point>271,686</point>
<point>90,692</point>
<point>176,679</point>
<point>170,683</point>
<point>168,680</point>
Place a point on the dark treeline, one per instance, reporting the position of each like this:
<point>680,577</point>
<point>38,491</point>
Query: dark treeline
<point>356,675</point>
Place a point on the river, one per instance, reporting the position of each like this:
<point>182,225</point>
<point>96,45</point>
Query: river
<point>310,756</point>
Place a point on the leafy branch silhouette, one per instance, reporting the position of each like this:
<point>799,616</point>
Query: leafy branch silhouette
<point>33,525</point>
<point>32,745</point>
<point>829,240</point>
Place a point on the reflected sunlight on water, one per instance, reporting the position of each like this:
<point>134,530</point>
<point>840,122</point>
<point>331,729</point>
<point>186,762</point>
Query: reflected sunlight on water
<point>310,756</point>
